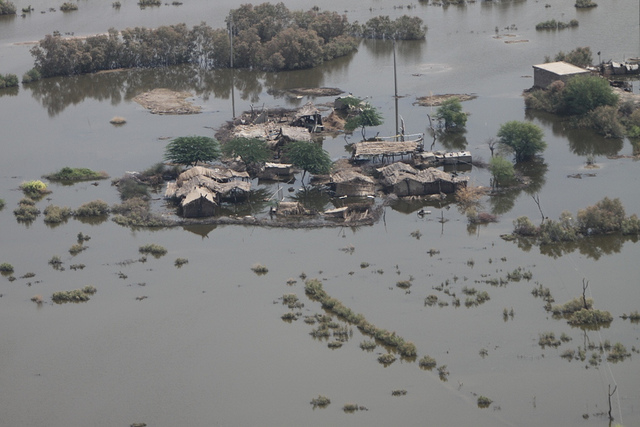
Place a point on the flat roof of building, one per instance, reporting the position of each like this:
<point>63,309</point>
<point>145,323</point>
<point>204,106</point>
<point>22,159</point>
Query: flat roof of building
<point>561,68</point>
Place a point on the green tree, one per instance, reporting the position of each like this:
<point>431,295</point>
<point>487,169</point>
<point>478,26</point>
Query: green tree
<point>502,171</point>
<point>7,8</point>
<point>524,138</point>
<point>189,150</point>
<point>580,57</point>
<point>582,94</point>
<point>451,114</point>
<point>308,156</point>
<point>250,150</point>
<point>368,116</point>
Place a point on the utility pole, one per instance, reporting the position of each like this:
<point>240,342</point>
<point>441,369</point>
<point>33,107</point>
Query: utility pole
<point>233,98</point>
<point>395,82</point>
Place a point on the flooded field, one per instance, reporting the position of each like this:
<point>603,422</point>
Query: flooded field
<point>205,343</point>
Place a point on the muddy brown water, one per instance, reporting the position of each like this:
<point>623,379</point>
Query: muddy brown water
<point>208,347</point>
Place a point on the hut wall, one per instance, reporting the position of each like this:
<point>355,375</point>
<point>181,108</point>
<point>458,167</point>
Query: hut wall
<point>354,189</point>
<point>199,207</point>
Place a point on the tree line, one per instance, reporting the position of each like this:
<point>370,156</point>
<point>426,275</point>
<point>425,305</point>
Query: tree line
<point>266,37</point>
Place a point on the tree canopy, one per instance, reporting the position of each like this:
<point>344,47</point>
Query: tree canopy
<point>308,156</point>
<point>451,114</point>
<point>582,94</point>
<point>189,150</point>
<point>502,171</point>
<point>368,116</point>
<point>250,150</point>
<point>524,138</point>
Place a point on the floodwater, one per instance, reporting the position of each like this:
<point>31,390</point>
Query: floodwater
<point>207,345</point>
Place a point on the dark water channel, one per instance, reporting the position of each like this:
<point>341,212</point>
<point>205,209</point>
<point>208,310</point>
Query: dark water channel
<point>207,345</point>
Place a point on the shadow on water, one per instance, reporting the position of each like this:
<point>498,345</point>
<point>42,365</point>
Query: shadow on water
<point>582,142</point>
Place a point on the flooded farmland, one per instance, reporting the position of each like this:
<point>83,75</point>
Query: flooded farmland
<point>206,343</point>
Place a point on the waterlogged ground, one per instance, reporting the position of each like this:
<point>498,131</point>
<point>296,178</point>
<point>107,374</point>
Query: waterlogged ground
<point>204,344</point>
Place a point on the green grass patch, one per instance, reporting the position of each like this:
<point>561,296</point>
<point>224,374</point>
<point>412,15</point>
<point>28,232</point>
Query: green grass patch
<point>76,174</point>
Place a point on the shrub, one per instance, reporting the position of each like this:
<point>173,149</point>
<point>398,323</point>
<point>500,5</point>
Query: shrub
<point>618,352</point>
<point>76,249</point>
<point>75,174</point>
<point>605,216</point>
<point>386,359</point>
<point>6,268</point>
<point>524,138</point>
<point>8,80</point>
<point>26,210</point>
<point>585,4</point>
<point>590,317</point>
<point>523,226</point>
<point>572,306</point>
<point>604,120</point>
<point>259,269</point>
<point>153,249</point>
<point>585,93</point>
<point>31,76</point>
<point>77,295</point>
<point>427,362</point>
<point>502,171</point>
<point>136,212</point>
<point>130,188</point>
<point>66,7</point>
<point>56,214</point>
<point>1,204</point>
<point>451,114</point>
<point>580,57</point>
<point>94,208</point>
<point>320,401</point>
<point>34,188</point>
<point>180,262</point>
<point>368,345</point>
<point>484,402</point>
<point>7,8</point>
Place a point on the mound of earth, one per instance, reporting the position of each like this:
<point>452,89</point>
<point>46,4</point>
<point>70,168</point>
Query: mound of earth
<point>165,101</point>
<point>436,100</point>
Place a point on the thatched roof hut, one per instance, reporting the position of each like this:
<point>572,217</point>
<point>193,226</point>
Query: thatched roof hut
<point>381,150</point>
<point>351,183</point>
<point>290,208</point>
<point>201,189</point>
<point>199,202</point>
<point>403,180</point>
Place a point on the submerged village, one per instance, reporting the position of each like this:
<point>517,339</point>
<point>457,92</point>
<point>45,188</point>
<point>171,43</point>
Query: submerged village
<point>379,169</point>
<point>309,217</point>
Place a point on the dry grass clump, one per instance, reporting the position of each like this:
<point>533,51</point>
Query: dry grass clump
<point>117,120</point>
<point>77,248</point>
<point>37,299</point>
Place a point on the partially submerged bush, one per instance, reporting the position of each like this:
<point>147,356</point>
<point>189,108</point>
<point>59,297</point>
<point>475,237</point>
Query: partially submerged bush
<point>591,317</point>
<point>572,306</point>
<point>77,248</point>
<point>320,401</point>
<point>56,214</point>
<point>259,269</point>
<point>136,212</point>
<point>368,345</point>
<point>618,353</point>
<point>26,210</point>
<point>484,402</point>
<point>75,174</point>
<point>153,249</point>
<point>67,7</point>
<point>180,262</point>
<point>77,295</point>
<point>94,208</point>
<point>34,189</point>
<point>6,268</point>
<point>427,362</point>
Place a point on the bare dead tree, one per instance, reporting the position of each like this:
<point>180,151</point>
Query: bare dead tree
<point>585,285</point>
<point>492,142</point>
<point>536,199</point>
<point>611,393</point>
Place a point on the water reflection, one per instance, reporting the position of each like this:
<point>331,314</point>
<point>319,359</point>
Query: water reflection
<point>583,142</point>
<point>532,173</point>
<point>405,49</point>
<point>593,247</point>
<point>312,198</point>
<point>9,91</point>
<point>56,94</point>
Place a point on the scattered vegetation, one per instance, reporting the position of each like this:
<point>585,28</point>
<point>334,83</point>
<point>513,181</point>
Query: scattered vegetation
<point>556,25</point>
<point>259,269</point>
<point>56,262</point>
<point>634,316</point>
<point>136,212</point>
<point>398,392</point>
<point>77,295</point>
<point>77,248</point>
<point>585,4</point>
<point>75,174</point>
<point>618,353</point>
<point>26,210</point>
<point>580,57</point>
<point>548,339</point>
<point>153,249</point>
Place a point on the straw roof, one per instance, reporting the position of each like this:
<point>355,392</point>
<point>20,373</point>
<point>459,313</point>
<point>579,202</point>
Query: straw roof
<point>398,172</point>
<point>388,148</point>
<point>197,193</point>
<point>218,174</point>
<point>344,176</point>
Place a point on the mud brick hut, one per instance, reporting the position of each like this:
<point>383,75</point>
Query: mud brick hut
<point>545,74</point>
<point>353,184</point>
<point>403,180</point>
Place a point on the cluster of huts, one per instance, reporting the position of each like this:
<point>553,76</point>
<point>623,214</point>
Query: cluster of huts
<point>199,191</point>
